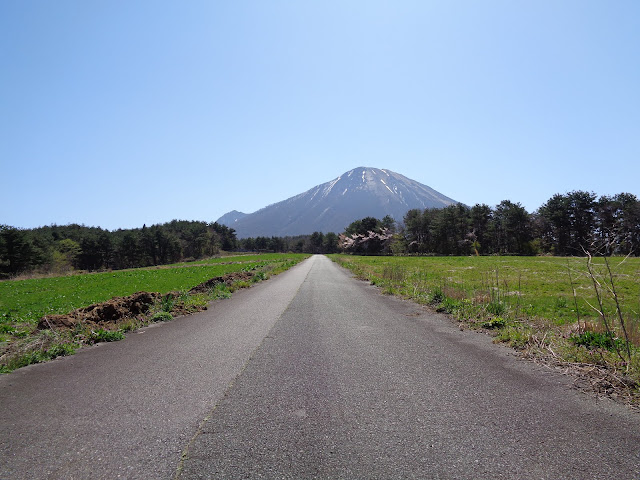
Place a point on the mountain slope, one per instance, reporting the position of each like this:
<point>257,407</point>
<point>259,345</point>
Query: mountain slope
<point>332,206</point>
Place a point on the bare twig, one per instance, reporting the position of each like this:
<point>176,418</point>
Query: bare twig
<point>619,312</point>
<point>598,291</point>
<point>575,297</point>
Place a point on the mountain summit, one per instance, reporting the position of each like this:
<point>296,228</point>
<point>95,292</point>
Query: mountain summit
<point>332,206</point>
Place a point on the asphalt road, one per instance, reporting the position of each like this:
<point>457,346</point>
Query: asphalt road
<point>310,375</point>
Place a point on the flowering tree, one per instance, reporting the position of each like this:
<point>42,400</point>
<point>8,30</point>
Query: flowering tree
<point>371,243</point>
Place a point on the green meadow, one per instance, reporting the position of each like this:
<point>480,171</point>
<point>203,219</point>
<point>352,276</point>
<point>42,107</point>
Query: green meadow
<point>533,287</point>
<point>26,301</point>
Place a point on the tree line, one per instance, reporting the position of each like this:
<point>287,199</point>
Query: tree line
<point>59,249</point>
<point>317,242</point>
<point>567,224</point>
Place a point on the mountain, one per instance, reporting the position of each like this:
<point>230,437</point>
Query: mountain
<point>332,206</point>
<point>230,219</point>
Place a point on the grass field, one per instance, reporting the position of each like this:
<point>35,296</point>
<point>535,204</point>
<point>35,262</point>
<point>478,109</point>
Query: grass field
<point>529,286</point>
<point>549,306</point>
<point>246,258</point>
<point>24,302</point>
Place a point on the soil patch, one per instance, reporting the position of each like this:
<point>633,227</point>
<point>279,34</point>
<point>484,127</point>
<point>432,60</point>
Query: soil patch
<point>228,279</point>
<point>110,311</point>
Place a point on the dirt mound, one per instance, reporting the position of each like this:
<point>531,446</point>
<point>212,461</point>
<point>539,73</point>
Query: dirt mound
<point>227,279</point>
<point>100,313</point>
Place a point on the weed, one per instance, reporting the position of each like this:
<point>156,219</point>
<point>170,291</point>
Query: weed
<point>389,290</point>
<point>591,340</point>
<point>494,323</point>
<point>394,273</point>
<point>6,328</point>
<point>40,355</point>
<point>60,350</point>
<point>561,302</point>
<point>238,285</point>
<point>495,308</point>
<point>518,338</point>
<point>130,324</point>
<point>220,291</point>
<point>605,288</point>
<point>259,277</point>
<point>102,335</point>
<point>161,317</point>
<point>196,302</point>
<point>448,305</point>
<point>436,296</point>
<point>167,303</point>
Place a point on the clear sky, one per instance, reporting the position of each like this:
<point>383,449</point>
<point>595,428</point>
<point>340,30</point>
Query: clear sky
<point>124,112</point>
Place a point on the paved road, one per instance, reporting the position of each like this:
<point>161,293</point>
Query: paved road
<point>332,380</point>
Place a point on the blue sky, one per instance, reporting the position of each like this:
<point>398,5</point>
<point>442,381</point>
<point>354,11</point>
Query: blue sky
<point>121,113</point>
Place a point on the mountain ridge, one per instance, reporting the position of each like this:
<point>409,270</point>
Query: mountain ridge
<point>333,205</point>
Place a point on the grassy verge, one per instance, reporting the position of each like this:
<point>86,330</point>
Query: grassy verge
<point>578,314</point>
<point>24,302</point>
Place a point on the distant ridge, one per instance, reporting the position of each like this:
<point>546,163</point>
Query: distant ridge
<point>231,218</point>
<point>332,206</point>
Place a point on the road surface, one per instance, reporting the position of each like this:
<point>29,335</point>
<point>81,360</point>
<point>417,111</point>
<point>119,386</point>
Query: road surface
<point>310,375</point>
